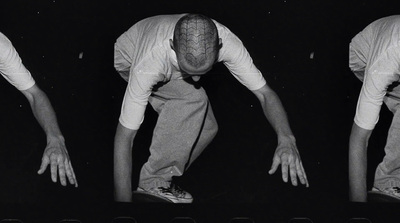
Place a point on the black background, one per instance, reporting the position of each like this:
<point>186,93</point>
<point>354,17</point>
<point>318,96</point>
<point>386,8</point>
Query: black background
<point>230,178</point>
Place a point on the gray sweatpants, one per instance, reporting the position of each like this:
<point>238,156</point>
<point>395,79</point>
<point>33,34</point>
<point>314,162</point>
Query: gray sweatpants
<point>185,126</point>
<point>387,173</point>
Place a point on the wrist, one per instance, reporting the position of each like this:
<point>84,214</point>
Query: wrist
<point>286,138</point>
<point>52,138</point>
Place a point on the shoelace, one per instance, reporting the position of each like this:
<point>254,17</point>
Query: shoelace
<point>174,190</point>
<point>166,190</point>
<point>177,189</point>
<point>396,189</point>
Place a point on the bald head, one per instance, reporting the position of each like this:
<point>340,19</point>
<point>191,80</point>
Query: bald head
<point>196,43</point>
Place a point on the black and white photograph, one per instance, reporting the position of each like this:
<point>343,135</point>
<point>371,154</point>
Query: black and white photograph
<point>209,111</point>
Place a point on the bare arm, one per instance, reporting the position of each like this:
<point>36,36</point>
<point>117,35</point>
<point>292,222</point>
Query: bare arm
<point>358,163</point>
<point>55,154</point>
<point>286,152</point>
<point>274,111</point>
<point>123,163</point>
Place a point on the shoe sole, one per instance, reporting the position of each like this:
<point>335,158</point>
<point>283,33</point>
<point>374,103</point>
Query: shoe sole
<point>378,196</point>
<point>145,195</point>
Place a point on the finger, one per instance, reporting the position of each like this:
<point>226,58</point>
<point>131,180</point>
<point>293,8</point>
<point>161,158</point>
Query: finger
<point>305,175</point>
<point>293,175</point>
<point>73,174</point>
<point>275,163</point>
<point>61,170</point>
<point>284,168</point>
<point>45,163</point>
<point>69,172</point>
<point>53,167</point>
<point>300,173</point>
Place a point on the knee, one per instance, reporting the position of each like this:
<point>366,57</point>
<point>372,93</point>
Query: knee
<point>199,99</point>
<point>212,126</point>
<point>215,129</point>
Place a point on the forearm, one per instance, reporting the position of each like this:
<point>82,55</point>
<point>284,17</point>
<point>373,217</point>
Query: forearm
<point>358,164</point>
<point>123,164</point>
<point>274,112</point>
<point>122,175</point>
<point>44,113</point>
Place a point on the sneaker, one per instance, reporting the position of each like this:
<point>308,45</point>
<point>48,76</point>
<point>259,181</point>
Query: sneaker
<point>173,193</point>
<point>391,191</point>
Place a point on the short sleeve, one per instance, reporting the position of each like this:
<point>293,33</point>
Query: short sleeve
<point>11,67</point>
<point>236,58</point>
<point>141,81</point>
<point>382,73</point>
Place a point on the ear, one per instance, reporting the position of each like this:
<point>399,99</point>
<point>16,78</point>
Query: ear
<point>171,43</point>
<point>219,43</point>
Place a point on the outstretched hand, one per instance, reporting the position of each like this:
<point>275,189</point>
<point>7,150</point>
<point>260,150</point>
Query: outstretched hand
<point>56,155</point>
<point>287,155</point>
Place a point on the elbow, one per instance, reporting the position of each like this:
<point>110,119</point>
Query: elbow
<point>359,137</point>
<point>34,94</point>
<point>123,139</point>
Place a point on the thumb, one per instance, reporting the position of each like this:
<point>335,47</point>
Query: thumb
<point>43,166</point>
<point>275,164</point>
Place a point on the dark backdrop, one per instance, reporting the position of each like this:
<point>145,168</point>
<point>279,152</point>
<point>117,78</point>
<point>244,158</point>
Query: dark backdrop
<point>301,47</point>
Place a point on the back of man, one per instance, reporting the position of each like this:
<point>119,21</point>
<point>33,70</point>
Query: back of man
<point>147,39</point>
<point>143,54</point>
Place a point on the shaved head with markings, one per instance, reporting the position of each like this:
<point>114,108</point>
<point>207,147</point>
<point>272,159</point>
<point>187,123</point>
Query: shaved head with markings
<point>196,43</point>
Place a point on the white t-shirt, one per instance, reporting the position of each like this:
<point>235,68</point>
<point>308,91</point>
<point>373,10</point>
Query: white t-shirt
<point>11,67</point>
<point>375,59</point>
<point>150,59</point>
